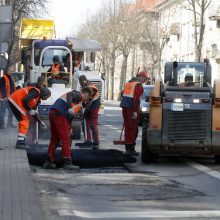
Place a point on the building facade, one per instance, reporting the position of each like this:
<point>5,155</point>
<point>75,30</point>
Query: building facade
<point>177,24</point>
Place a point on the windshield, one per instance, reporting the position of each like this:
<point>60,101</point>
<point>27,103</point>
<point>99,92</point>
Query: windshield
<point>190,74</point>
<point>50,53</point>
<point>147,91</point>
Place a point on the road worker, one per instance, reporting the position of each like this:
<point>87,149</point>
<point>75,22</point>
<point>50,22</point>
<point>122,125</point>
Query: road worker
<point>55,72</point>
<point>60,125</point>
<point>130,103</point>
<point>91,114</point>
<point>22,102</point>
<point>7,87</point>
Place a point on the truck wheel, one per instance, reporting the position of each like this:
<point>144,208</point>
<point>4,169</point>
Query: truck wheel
<point>146,155</point>
<point>76,132</point>
<point>217,159</point>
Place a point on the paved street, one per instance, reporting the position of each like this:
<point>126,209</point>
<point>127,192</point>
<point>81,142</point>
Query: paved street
<point>172,188</point>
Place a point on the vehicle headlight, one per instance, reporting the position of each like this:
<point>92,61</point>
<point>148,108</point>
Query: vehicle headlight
<point>177,100</point>
<point>145,109</point>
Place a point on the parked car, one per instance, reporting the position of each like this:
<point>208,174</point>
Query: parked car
<point>145,105</point>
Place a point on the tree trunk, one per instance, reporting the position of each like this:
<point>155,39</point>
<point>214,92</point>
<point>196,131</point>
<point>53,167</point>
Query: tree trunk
<point>112,78</point>
<point>123,74</point>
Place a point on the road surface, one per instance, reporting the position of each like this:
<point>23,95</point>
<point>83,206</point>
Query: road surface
<point>171,188</point>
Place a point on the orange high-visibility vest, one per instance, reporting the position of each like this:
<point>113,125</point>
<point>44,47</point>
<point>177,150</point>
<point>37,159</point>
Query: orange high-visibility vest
<point>55,69</point>
<point>93,86</point>
<point>75,106</point>
<point>129,89</point>
<point>7,86</point>
<point>17,97</point>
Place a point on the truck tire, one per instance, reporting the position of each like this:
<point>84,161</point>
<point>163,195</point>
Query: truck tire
<point>76,131</point>
<point>217,159</point>
<point>146,155</point>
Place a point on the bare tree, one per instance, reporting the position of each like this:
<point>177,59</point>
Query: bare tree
<point>21,9</point>
<point>104,28</point>
<point>198,7</point>
<point>129,34</point>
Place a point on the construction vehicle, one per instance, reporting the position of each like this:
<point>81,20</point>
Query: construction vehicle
<point>184,114</point>
<point>74,54</point>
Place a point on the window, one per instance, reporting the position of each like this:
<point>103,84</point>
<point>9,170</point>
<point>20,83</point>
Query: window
<point>48,55</point>
<point>193,71</point>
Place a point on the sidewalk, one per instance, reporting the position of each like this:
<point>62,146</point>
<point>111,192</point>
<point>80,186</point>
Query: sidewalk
<point>19,199</point>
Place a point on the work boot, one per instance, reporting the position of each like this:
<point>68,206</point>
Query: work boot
<point>133,151</point>
<point>95,146</point>
<point>20,144</point>
<point>130,150</point>
<point>49,165</point>
<point>84,144</point>
<point>67,165</point>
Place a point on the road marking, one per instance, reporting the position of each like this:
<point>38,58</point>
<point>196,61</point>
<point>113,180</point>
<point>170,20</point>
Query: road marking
<point>112,108</point>
<point>204,169</point>
<point>147,214</point>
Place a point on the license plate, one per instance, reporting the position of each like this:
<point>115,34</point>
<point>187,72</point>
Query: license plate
<point>177,107</point>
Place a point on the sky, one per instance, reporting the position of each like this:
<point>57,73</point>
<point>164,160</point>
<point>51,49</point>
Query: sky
<point>70,14</point>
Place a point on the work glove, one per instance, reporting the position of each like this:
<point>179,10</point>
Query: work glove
<point>71,111</point>
<point>134,115</point>
<point>33,112</point>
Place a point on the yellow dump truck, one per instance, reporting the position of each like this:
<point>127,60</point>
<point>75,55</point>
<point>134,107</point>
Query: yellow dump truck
<point>34,29</point>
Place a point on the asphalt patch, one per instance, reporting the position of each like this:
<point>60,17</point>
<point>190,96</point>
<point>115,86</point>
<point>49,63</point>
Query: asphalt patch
<point>85,158</point>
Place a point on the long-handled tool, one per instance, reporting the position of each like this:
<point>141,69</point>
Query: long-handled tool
<point>43,125</point>
<point>120,141</point>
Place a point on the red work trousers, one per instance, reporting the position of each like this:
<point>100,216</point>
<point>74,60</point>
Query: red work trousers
<point>92,126</point>
<point>60,130</point>
<point>131,125</point>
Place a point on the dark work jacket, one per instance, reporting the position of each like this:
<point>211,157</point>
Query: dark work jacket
<point>3,86</point>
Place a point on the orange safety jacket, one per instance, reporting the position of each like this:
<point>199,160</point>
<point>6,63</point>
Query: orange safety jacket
<point>75,106</point>
<point>129,89</point>
<point>55,69</point>
<point>128,96</point>
<point>17,97</point>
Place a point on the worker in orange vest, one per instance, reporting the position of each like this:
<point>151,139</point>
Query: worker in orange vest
<point>91,115</point>
<point>60,125</point>
<point>130,103</point>
<point>55,69</point>
<point>7,87</point>
<point>22,102</point>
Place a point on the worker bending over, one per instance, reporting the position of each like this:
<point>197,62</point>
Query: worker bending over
<point>91,114</point>
<point>22,102</point>
<point>130,104</point>
<point>60,125</point>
